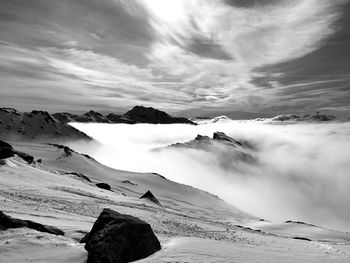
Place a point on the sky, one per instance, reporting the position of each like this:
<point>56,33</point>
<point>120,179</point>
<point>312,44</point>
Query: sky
<point>187,57</point>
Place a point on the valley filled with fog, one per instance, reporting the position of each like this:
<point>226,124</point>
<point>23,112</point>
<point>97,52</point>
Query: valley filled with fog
<point>300,172</point>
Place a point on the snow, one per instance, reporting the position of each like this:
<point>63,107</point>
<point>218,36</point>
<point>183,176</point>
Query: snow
<point>192,225</point>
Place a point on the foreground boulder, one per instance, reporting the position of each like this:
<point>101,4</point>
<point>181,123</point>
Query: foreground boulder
<point>6,150</point>
<point>7,222</point>
<point>118,238</point>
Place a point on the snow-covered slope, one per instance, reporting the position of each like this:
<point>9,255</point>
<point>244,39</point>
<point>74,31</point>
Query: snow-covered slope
<point>192,225</point>
<point>217,119</point>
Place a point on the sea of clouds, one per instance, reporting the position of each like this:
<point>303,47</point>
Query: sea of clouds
<point>302,172</point>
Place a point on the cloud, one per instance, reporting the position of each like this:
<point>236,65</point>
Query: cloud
<point>251,37</point>
<point>180,54</point>
<point>301,173</point>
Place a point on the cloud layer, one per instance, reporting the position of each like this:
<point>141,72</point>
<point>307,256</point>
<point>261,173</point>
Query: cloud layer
<point>177,55</point>
<point>301,173</point>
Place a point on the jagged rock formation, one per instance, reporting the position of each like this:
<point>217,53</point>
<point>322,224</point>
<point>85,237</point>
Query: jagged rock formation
<point>220,143</point>
<point>218,137</point>
<point>118,238</point>
<point>148,195</point>
<point>7,222</point>
<point>39,125</point>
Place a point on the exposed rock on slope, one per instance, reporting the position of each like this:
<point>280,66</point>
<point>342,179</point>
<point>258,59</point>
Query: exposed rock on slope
<point>118,238</point>
<point>148,195</point>
<point>6,150</point>
<point>104,186</point>
<point>38,125</point>
<point>7,222</point>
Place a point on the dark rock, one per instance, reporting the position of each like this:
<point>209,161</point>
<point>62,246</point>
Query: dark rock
<point>39,161</point>
<point>298,222</point>
<point>302,238</point>
<point>104,186</point>
<point>220,136</point>
<point>148,195</point>
<point>202,138</point>
<point>6,150</point>
<point>118,238</point>
<point>27,157</point>
<point>7,222</point>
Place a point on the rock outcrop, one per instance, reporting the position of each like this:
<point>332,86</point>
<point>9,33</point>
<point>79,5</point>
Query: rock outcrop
<point>26,157</point>
<point>7,222</point>
<point>220,144</point>
<point>118,238</point>
<point>148,195</point>
<point>6,150</point>
<point>104,186</point>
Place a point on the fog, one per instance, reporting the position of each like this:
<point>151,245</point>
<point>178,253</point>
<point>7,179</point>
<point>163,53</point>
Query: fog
<point>302,172</point>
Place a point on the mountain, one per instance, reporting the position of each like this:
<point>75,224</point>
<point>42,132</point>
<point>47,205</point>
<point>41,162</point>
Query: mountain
<point>138,114</point>
<point>313,118</point>
<point>221,145</point>
<point>202,120</point>
<point>39,125</point>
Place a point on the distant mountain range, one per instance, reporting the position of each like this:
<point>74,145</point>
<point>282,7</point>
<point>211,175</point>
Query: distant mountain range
<point>138,114</point>
<point>40,125</point>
